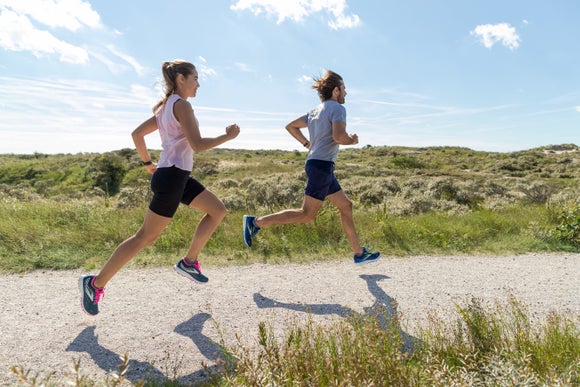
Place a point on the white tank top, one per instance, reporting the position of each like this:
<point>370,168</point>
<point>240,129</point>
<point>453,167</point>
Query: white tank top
<point>176,149</point>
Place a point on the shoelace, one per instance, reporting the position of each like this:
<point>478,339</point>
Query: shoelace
<point>197,266</point>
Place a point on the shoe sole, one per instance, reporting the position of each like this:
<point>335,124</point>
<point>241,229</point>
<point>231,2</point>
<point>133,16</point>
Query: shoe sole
<point>184,274</point>
<point>367,261</point>
<point>81,289</point>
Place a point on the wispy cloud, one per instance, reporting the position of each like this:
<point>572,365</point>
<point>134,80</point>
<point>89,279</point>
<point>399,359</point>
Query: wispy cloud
<point>490,34</point>
<point>244,67</point>
<point>304,79</point>
<point>298,10</point>
<point>95,116</point>
<point>203,69</point>
<point>139,69</point>
<point>413,111</point>
<point>99,117</point>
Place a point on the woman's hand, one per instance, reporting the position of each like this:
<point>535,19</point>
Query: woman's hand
<point>232,131</point>
<point>151,168</point>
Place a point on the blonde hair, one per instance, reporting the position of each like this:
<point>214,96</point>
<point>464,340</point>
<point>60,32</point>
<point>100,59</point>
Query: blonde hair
<point>326,84</point>
<point>170,71</point>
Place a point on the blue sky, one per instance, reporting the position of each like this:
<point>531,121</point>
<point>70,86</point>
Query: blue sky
<point>80,75</point>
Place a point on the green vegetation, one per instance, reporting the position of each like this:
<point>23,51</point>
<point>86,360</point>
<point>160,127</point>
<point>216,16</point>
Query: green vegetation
<point>70,211</point>
<point>485,345</point>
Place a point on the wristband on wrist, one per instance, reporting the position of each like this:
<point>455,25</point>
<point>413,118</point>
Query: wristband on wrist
<point>306,144</point>
<point>147,162</point>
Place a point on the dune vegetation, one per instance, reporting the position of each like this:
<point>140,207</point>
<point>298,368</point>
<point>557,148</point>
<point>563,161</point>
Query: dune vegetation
<point>407,201</point>
<point>70,211</point>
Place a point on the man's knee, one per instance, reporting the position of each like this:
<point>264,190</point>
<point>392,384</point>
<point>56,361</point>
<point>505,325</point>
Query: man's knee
<point>308,216</point>
<point>345,206</point>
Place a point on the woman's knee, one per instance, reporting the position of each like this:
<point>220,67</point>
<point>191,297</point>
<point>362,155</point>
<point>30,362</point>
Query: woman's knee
<point>220,211</point>
<point>210,204</point>
<point>145,238</point>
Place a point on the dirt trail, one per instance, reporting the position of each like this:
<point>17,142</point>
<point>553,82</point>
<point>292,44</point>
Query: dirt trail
<point>167,325</point>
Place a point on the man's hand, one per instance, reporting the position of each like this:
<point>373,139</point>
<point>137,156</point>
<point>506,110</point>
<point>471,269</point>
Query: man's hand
<point>354,139</point>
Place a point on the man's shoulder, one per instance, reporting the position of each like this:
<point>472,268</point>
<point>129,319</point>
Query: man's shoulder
<point>331,104</point>
<point>334,109</point>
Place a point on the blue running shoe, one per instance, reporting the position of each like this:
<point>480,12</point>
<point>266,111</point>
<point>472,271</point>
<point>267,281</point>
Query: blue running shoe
<point>90,294</point>
<point>366,256</point>
<point>192,272</point>
<point>250,229</point>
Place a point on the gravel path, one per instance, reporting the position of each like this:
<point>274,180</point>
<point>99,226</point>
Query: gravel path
<point>172,327</point>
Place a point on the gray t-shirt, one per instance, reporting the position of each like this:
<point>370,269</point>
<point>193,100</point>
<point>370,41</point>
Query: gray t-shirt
<point>319,121</point>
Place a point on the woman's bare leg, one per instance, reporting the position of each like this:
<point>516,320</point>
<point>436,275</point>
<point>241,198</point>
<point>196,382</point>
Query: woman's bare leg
<point>152,227</point>
<point>215,212</point>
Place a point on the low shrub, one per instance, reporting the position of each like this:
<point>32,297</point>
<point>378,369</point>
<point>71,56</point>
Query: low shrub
<point>568,229</point>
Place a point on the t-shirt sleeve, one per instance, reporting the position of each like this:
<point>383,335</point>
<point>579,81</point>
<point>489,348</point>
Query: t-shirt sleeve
<point>305,118</point>
<point>338,114</point>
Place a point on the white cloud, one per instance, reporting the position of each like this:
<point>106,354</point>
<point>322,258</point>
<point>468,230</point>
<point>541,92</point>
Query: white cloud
<point>304,79</point>
<point>79,116</point>
<point>139,69</point>
<point>298,10</point>
<point>244,67</point>
<point>90,116</point>
<point>35,26</point>
<point>18,34</point>
<point>113,67</point>
<point>203,69</point>
<point>68,14</point>
<point>490,34</point>
<point>578,109</point>
<point>18,31</point>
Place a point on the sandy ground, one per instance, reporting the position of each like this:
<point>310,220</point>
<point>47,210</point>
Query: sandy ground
<point>169,326</point>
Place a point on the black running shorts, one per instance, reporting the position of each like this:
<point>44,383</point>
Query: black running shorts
<point>170,187</point>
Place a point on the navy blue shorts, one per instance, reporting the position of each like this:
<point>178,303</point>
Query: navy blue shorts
<point>170,187</point>
<point>321,180</point>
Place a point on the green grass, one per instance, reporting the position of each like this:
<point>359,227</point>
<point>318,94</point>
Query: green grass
<point>76,234</point>
<point>510,231</point>
<point>484,345</point>
<point>64,212</point>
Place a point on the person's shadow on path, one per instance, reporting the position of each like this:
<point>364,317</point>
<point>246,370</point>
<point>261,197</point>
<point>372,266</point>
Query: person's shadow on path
<point>109,361</point>
<point>217,355</point>
<point>384,309</point>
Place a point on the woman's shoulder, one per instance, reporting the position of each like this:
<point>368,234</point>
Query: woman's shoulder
<point>181,103</point>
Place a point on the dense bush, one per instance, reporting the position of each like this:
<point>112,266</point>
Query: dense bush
<point>568,229</point>
<point>108,172</point>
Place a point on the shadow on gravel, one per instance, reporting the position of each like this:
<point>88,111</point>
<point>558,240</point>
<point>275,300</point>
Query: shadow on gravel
<point>384,309</point>
<point>109,361</point>
<point>210,349</point>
